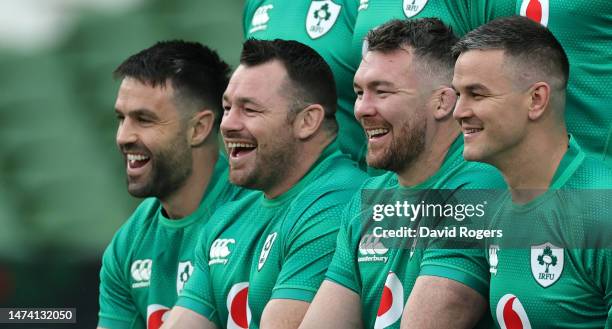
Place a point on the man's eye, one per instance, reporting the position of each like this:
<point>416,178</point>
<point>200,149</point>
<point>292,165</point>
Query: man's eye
<point>144,120</point>
<point>477,96</point>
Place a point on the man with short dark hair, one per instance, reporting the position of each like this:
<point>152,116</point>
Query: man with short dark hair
<point>327,27</point>
<point>511,76</point>
<point>405,103</point>
<point>261,263</point>
<point>168,108</point>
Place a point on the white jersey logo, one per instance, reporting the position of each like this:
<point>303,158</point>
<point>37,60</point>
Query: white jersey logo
<point>321,17</point>
<point>546,263</point>
<point>220,251</point>
<point>372,250</point>
<point>184,272</point>
<point>413,7</point>
<point>239,313</point>
<point>265,251</point>
<point>156,315</point>
<point>537,10</point>
<point>493,259</point>
<point>511,313</point>
<point>391,302</point>
<point>141,272</point>
<point>260,19</point>
<point>363,5</point>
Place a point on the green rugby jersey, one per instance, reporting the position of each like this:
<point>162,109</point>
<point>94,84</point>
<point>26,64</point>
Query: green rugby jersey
<point>383,277</point>
<point>151,257</point>
<point>327,27</point>
<point>550,282</point>
<point>584,29</point>
<point>461,15</point>
<point>261,249</point>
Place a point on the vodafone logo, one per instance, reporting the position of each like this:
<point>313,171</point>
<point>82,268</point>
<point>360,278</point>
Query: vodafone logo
<point>239,314</point>
<point>511,314</point>
<point>391,302</point>
<point>156,315</point>
<point>537,10</point>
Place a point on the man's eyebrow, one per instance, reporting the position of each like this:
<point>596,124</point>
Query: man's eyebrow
<point>375,83</point>
<point>472,87</point>
<point>138,112</point>
<point>243,100</point>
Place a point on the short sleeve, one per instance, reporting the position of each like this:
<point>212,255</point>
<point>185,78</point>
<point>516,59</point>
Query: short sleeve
<point>117,307</point>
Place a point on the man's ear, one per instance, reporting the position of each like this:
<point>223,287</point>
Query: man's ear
<point>444,103</point>
<point>201,126</point>
<point>308,121</point>
<point>539,98</point>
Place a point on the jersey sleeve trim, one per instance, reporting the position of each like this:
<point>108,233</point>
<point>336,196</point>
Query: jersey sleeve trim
<point>296,293</point>
<point>458,275</point>
<point>203,308</point>
<point>342,280</point>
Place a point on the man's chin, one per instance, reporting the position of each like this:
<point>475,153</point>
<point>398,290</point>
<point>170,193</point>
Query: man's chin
<point>241,179</point>
<point>138,190</point>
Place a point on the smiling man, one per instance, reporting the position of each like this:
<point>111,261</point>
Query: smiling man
<point>512,76</point>
<point>262,262</point>
<point>168,109</point>
<point>405,103</point>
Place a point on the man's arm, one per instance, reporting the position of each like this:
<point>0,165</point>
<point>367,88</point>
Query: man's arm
<point>184,318</point>
<point>117,307</point>
<point>437,302</point>
<point>334,307</point>
<point>283,314</point>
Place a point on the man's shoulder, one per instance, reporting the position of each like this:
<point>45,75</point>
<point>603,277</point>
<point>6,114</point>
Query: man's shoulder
<point>593,173</point>
<point>474,175</point>
<point>142,220</point>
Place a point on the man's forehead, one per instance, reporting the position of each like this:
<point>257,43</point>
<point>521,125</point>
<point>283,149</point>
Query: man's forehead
<point>384,67</point>
<point>133,92</point>
<point>252,81</point>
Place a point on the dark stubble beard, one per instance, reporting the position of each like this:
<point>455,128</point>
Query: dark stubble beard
<point>274,163</point>
<point>405,147</point>
<point>171,167</point>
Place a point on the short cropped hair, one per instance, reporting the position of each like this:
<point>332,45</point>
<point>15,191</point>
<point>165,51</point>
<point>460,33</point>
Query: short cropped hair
<point>527,43</point>
<point>310,76</point>
<point>196,72</point>
<point>428,39</point>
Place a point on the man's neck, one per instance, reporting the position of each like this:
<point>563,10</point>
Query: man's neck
<point>186,200</point>
<point>426,164</point>
<point>306,158</point>
<point>529,169</point>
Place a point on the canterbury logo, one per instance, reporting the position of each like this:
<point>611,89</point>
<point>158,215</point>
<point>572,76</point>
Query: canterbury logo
<point>141,272</point>
<point>371,245</point>
<point>219,251</point>
<point>372,250</point>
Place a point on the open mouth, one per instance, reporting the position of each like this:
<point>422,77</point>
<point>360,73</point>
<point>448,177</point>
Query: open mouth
<point>376,133</point>
<point>237,150</point>
<point>136,161</point>
<point>471,131</point>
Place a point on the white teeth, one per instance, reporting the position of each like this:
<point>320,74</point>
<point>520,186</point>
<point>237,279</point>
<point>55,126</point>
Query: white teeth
<point>472,130</point>
<point>233,145</point>
<point>136,157</point>
<point>375,132</point>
